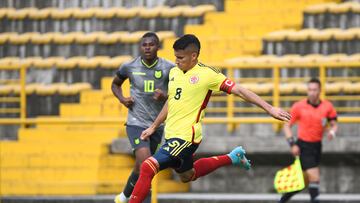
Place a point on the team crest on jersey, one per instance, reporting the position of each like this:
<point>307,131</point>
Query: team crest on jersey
<point>194,79</point>
<point>158,74</point>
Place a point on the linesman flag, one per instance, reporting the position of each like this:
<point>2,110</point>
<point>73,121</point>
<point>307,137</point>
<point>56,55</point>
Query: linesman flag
<point>290,179</point>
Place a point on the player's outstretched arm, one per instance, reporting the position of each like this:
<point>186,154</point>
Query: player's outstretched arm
<point>117,91</point>
<point>253,98</point>
<point>158,121</point>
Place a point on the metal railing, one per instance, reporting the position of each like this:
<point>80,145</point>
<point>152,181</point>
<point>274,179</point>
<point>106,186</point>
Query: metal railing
<point>230,109</point>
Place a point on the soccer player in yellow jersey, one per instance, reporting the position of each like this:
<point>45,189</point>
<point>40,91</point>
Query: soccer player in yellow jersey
<point>189,90</point>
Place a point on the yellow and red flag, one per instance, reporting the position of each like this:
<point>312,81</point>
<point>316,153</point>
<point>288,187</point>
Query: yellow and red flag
<point>290,179</point>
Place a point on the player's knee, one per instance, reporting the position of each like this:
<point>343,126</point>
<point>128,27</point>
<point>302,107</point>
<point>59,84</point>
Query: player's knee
<point>149,167</point>
<point>185,179</point>
<point>187,176</point>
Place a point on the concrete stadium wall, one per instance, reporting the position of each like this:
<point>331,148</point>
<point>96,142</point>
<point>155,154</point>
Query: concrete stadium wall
<point>269,152</point>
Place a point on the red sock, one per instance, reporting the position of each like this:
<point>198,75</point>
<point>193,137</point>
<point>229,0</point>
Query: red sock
<point>205,166</point>
<point>142,187</point>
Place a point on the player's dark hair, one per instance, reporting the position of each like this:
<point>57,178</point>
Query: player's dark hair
<point>152,34</point>
<point>185,41</point>
<point>315,80</point>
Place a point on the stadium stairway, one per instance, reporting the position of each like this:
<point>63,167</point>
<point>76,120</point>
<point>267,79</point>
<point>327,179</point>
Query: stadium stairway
<point>72,159</point>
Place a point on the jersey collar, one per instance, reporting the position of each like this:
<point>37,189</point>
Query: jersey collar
<point>314,105</point>
<point>150,66</point>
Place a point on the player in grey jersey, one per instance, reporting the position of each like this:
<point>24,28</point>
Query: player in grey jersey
<point>149,77</point>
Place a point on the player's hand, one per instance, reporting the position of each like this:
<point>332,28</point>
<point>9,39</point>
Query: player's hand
<point>147,133</point>
<point>280,114</point>
<point>295,150</point>
<point>331,135</point>
<point>128,101</point>
<point>159,95</point>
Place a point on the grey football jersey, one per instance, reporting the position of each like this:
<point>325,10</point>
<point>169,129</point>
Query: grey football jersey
<point>143,81</point>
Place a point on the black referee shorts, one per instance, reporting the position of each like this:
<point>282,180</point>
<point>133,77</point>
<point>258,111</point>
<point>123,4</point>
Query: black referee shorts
<point>310,154</point>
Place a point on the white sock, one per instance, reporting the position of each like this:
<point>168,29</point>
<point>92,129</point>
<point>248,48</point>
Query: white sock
<point>122,197</point>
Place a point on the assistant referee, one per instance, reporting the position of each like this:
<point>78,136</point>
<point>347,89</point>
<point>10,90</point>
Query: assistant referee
<point>313,117</point>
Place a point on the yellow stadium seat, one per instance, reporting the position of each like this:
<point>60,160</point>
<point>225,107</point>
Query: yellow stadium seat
<point>89,38</point>
<point>321,35</point>
<point>22,38</point>
<point>354,31</point>
<point>287,88</point>
<point>83,13</point>
<point>355,7</point>
<point>89,63</point>
<point>165,34</point>
<point>173,12</point>
<point>127,12</point>
<point>115,62</point>
<point>102,13</point>
<point>81,86</point>
<point>67,38</point>
<point>20,14</point>
<point>340,8</point>
<point>345,35</point>
<point>30,61</point>
<point>354,58</point>
<point>301,35</point>
<point>11,63</point>
<point>4,37</point>
<point>31,88</point>
<point>312,58</point>
<point>289,59</point>
<point>5,90</point>
<point>333,58</point>
<point>352,88</point>
<point>41,14</point>
<point>49,62</point>
<point>133,37</point>
<point>67,90</point>
<point>150,12</point>
<point>112,38</point>
<point>318,8</point>
<point>300,88</point>
<point>333,88</point>
<point>5,11</point>
<point>198,11</point>
<point>69,63</point>
<point>278,35</point>
<point>59,14</point>
<point>45,38</point>
<point>45,90</point>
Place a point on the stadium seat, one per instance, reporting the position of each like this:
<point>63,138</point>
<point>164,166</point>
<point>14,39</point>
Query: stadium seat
<point>40,14</point>
<point>61,14</point>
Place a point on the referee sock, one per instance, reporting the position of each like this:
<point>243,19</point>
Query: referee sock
<point>314,192</point>
<point>205,166</point>
<point>287,196</point>
<point>142,188</point>
<point>129,187</point>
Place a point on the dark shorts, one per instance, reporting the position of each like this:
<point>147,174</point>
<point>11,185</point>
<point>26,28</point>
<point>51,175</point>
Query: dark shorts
<point>310,154</point>
<point>177,154</point>
<point>134,132</point>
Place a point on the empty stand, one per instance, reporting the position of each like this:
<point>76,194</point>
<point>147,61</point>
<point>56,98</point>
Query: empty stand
<point>331,15</point>
<point>101,19</point>
<point>312,41</point>
<point>73,43</point>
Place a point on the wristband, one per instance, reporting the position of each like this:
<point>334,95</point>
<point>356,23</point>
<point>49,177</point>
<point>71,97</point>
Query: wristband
<point>291,141</point>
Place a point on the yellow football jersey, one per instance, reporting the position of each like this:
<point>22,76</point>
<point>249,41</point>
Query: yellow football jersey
<point>189,94</point>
